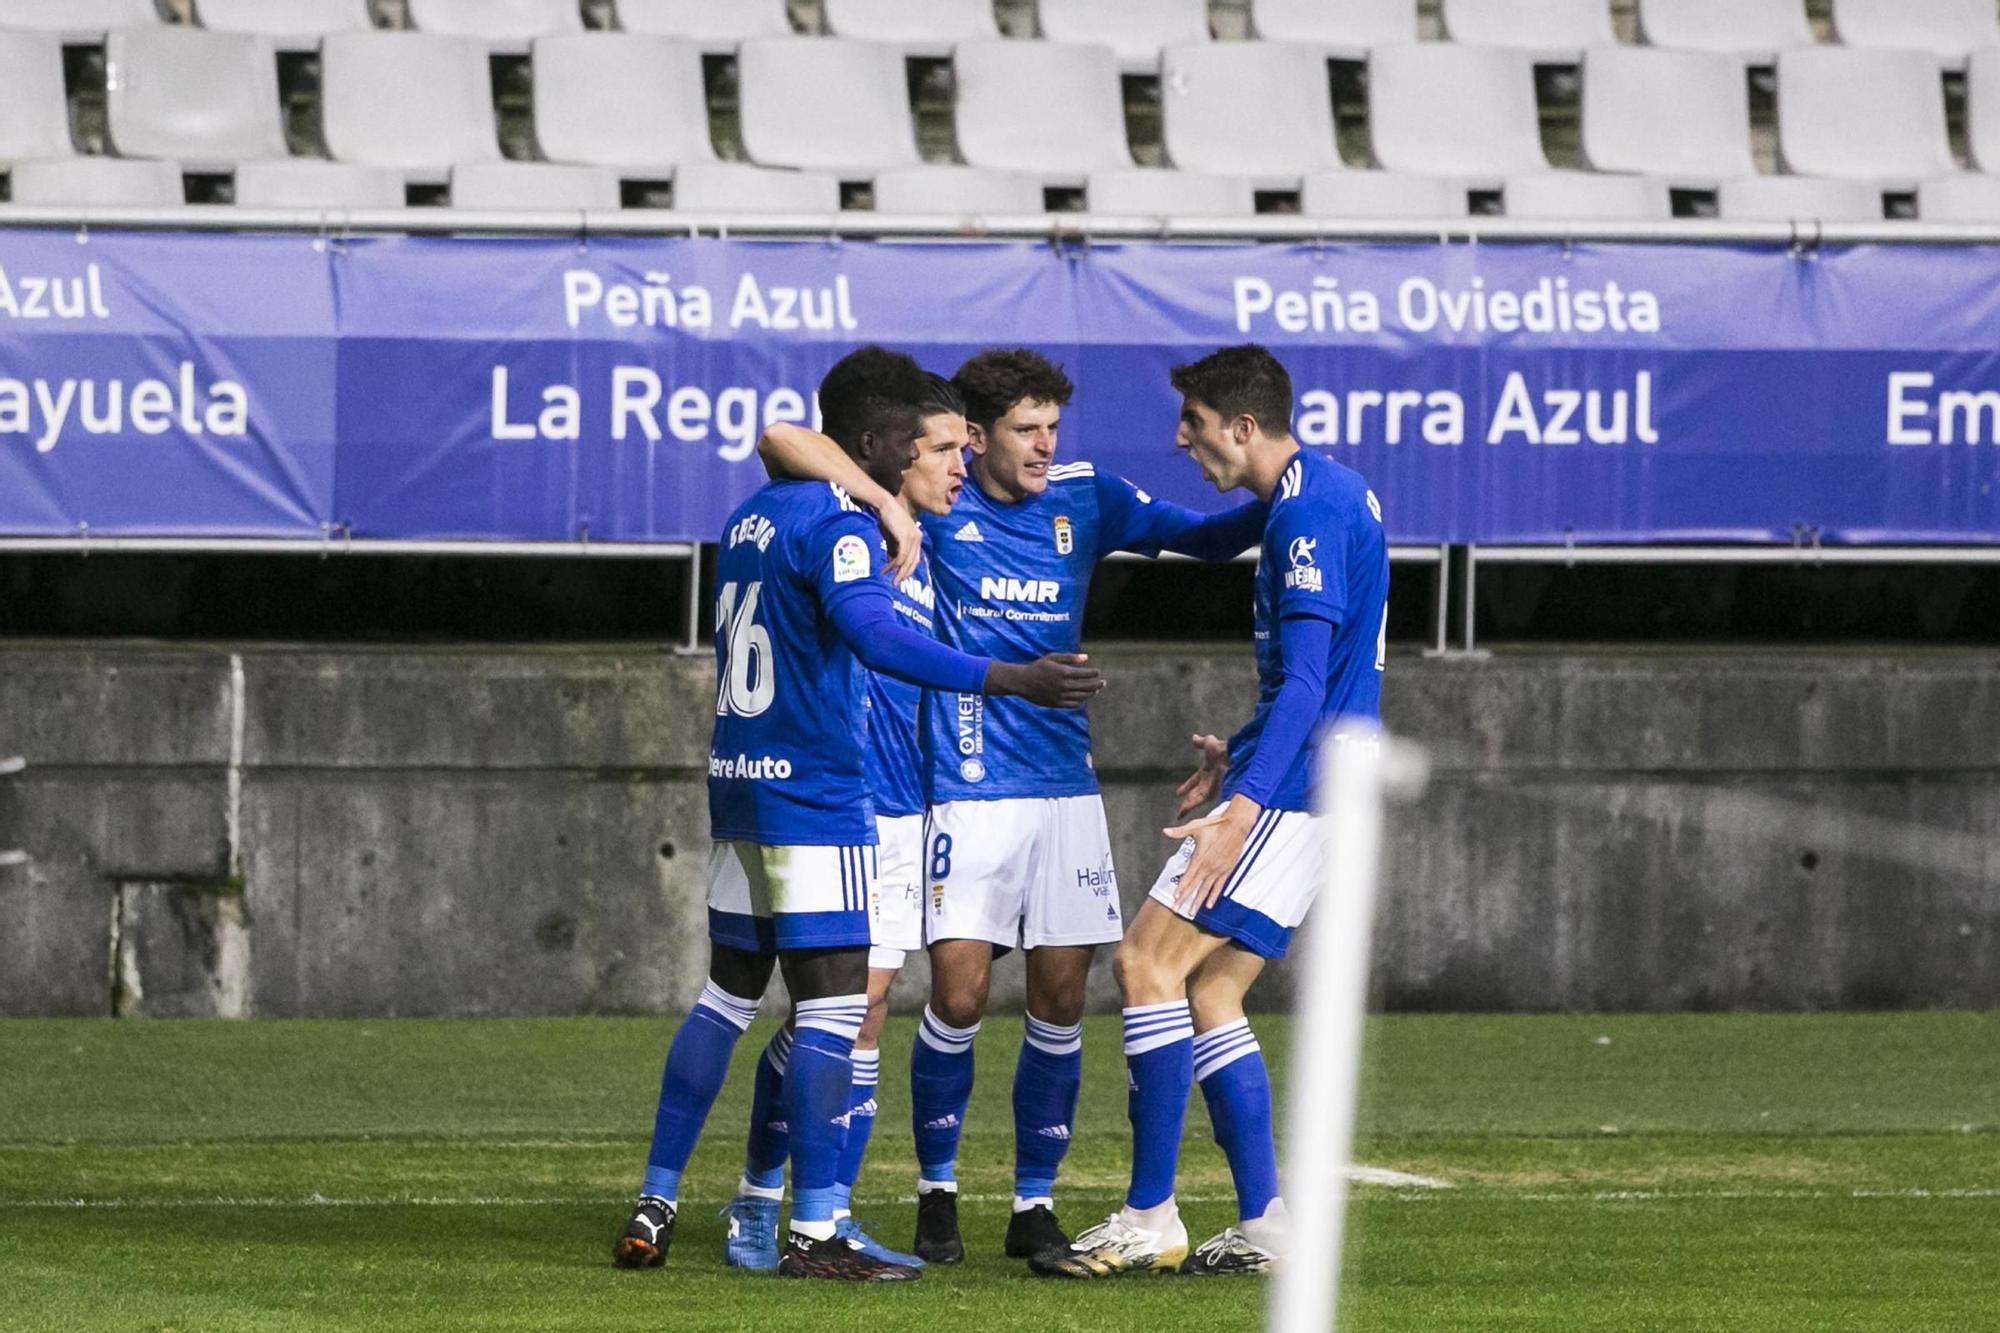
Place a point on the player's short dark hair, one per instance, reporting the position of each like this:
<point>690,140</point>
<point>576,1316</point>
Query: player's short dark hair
<point>943,397</point>
<point>1000,377</point>
<point>872,389</point>
<point>1240,381</point>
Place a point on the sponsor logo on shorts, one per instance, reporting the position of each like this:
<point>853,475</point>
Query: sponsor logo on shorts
<point>1100,880</point>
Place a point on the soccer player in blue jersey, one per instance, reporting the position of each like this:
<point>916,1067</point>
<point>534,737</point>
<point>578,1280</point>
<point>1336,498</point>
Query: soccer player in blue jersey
<point>897,783</point>
<point>1018,853</point>
<point>799,602</point>
<point>1246,873</point>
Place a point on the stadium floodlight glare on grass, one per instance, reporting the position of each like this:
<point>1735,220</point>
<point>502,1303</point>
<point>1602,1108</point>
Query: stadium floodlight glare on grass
<point>1360,772</point>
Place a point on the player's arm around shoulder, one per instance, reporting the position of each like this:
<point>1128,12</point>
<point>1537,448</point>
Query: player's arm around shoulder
<point>791,452</point>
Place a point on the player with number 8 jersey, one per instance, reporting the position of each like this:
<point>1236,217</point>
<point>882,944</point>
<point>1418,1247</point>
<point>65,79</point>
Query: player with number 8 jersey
<point>799,603</point>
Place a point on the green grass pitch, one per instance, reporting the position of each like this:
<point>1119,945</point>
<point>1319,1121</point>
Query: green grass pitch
<point>1698,1172</point>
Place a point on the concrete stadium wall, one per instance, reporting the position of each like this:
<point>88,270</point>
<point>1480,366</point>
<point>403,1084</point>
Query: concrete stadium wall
<point>474,831</point>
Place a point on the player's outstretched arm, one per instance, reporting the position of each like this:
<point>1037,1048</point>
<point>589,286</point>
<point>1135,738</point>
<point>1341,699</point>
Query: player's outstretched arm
<point>1055,680</point>
<point>1135,521</point>
<point>881,642</point>
<point>793,453</point>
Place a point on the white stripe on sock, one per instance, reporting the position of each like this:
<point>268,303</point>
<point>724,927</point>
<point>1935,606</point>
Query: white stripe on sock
<point>942,1037</point>
<point>1053,1038</point>
<point>738,1011</point>
<point>840,1015</point>
<point>1149,1027</point>
<point>867,1068</point>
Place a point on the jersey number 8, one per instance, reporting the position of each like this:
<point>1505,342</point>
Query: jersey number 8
<point>745,683</point>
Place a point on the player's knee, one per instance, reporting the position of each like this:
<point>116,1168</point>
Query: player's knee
<point>1142,977</point>
<point>958,1005</point>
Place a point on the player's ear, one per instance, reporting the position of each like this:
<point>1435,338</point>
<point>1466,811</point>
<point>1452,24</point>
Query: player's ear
<point>975,437</point>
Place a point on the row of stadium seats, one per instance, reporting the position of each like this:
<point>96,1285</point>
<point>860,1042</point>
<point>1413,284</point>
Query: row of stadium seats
<point>1443,118</point>
<point>1139,30</point>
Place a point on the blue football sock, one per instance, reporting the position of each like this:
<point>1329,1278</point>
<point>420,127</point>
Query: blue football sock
<point>1159,1057</point>
<point>769,1142</point>
<point>817,1079</point>
<point>1234,1082</point>
<point>940,1087</point>
<point>860,1124</point>
<point>1046,1081</point>
<point>697,1063</point>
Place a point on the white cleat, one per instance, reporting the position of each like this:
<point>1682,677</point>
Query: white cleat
<point>1115,1247</point>
<point>1230,1254</point>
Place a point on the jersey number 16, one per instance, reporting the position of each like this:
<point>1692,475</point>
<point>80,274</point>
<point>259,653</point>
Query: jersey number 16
<point>745,683</point>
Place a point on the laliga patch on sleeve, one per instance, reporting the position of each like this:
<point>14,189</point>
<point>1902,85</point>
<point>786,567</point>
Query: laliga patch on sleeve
<point>850,559</point>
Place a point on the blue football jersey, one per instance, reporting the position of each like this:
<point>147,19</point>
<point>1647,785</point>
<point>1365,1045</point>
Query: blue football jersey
<point>896,776</point>
<point>1011,582</point>
<point>786,765</point>
<point>1324,554</point>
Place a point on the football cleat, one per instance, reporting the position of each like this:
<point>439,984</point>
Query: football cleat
<point>1231,1254</point>
<point>837,1260</point>
<point>849,1230</point>
<point>1113,1248</point>
<point>644,1241</point>
<point>938,1240</point>
<point>1033,1230</point>
<point>752,1238</point>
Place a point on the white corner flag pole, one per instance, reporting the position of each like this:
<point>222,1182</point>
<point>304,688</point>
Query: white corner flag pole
<point>1357,770</point>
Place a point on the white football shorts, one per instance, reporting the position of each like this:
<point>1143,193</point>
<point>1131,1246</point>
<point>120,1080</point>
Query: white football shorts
<point>764,899</point>
<point>1024,872</point>
<point>1269,892</point>
<point>896,906</point>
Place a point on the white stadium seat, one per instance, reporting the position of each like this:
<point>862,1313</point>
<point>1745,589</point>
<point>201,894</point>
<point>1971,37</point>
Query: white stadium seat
<point>36,122</point>
<point>1276,136</point>
<point>1946,30</point>
<point>1790,198</point>
<point>1982,109</point>
<point>302,182</point>
<point>79,20</point>
<point>931,28</point>
<point>207,99</point>
<point>960,190</point>
<point>718,26</point>
<point>1683,115</point>
<point>415,102</point>
<point>1556,31</point>
<point>1381,194</point>
<point>826,104</point>
<point>99,182</point>
<point>1588,196</point>
<point>1863,115</point>
<point>532,187</point>
<point>632,103</point>
<point>502,25</point>
<point>1965,197</point>
<point>1441,109</point>
<point>1347,29</point>
<point>1136,29</point>
<point>1755,30</point>
<point>734,187</point>
<point>1070,123</point>
<point>1154,192</point>
<point>292,25</point>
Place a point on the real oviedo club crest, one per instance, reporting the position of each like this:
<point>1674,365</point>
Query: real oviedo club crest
<point>1065,538</point>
